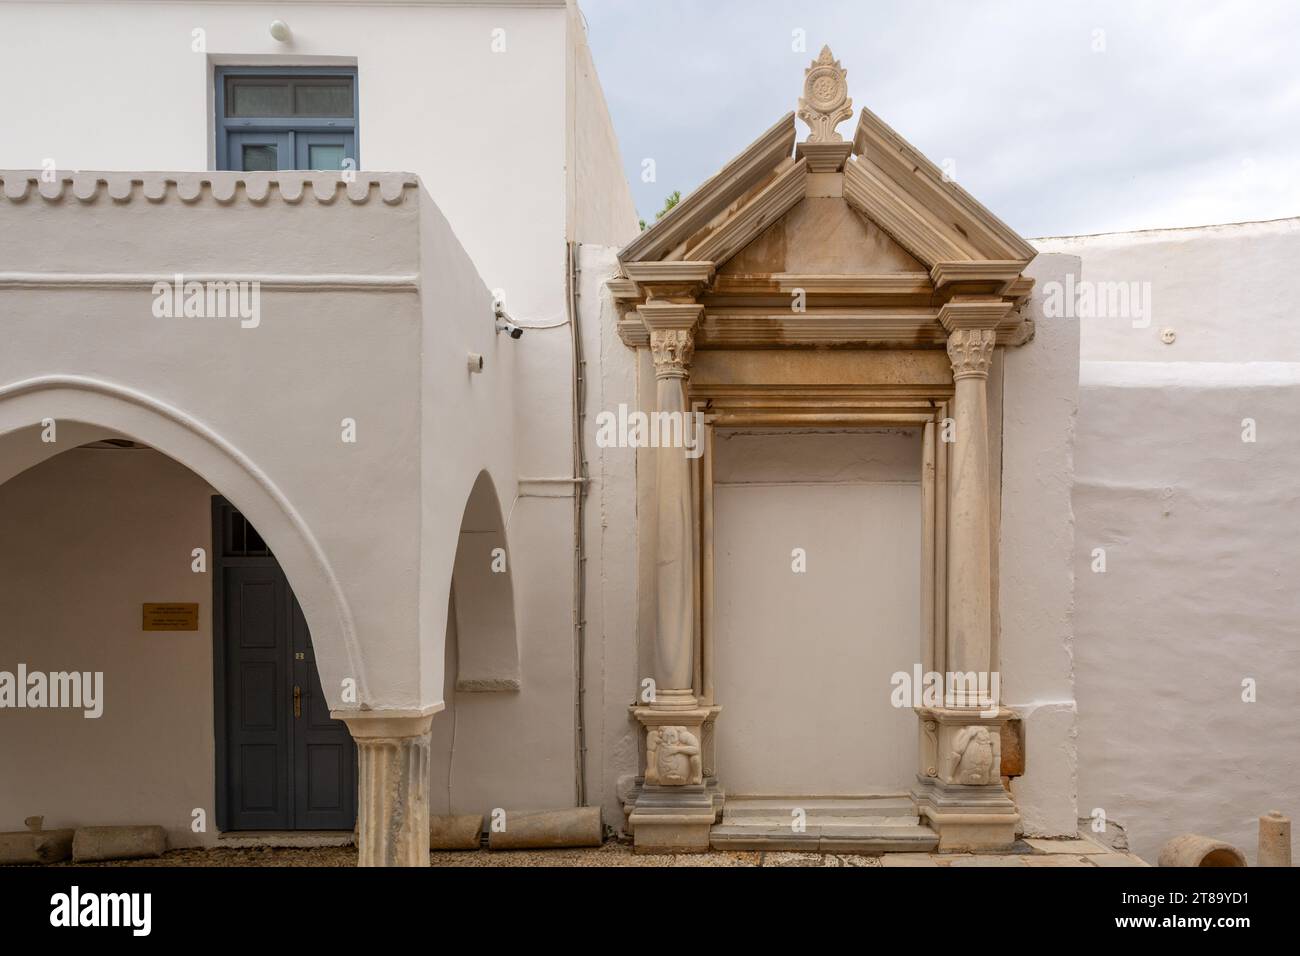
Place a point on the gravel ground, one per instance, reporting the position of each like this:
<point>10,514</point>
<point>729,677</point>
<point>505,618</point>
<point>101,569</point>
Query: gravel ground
<point>611,854</point>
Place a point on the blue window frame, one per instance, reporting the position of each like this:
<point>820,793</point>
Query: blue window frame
<point>286,118</point>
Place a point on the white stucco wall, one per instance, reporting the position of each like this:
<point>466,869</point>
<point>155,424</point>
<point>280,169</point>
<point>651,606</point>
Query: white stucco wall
<point>601,210</point>
<point>1038,397</point>
<point>611,659</point>
<point>122,89</point>
<point>518,148</point>
<point>89,536</point>
<point>494,104</point>
<point>257,411</point>
<point>1199,588</point>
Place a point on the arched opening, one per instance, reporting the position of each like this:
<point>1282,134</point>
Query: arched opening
<point>483,602</point>
<point>111,617</point>
<point>471,764</point>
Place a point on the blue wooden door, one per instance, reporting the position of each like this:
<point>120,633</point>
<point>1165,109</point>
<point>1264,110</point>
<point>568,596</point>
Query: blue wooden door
<point>282,762</point>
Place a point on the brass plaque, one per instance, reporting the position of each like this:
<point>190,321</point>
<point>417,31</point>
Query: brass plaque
<point>171,617</point>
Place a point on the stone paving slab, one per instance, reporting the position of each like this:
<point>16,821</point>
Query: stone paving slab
<point>1067,846</point>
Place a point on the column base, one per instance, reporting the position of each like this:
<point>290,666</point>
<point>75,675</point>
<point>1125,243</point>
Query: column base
<point>678,800</point>
<point>966,816</point>
<point>672,819</point>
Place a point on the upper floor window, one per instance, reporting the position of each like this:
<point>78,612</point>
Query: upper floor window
<point>286,118</point>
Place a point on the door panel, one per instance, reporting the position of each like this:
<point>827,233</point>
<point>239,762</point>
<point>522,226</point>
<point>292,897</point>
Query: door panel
<point>824,637</point>
<point>324,753</point>
<point>281,765</point>
<point>258,733</point>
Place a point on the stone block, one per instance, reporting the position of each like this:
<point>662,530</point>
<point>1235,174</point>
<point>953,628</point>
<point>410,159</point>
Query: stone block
<point>1066,846</point>
<point>118,843</point>
<point>541,829</point>
<point>1013,748</point>
<point>456,831</point>
<point>41,846</point>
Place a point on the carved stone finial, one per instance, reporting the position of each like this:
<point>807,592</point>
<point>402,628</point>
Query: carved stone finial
<point>825,102</point>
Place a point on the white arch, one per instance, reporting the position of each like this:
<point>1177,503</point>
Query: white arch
<point>487,637</point>
<point>69,399</point>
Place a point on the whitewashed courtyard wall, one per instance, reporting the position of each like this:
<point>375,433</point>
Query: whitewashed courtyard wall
<point>1199,592</point>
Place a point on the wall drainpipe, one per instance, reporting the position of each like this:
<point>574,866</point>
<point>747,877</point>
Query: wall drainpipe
<point>580,481</point>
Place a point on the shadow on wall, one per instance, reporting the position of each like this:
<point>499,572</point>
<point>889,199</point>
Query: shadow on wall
<point>482,597</point>
<point>471,751</point>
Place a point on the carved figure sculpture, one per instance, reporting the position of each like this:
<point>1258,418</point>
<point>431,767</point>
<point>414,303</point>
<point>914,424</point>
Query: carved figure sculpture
<point>975,756</point>
<point>672,757</point>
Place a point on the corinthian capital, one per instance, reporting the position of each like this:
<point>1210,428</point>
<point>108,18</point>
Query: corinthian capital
<point>971,352</point>
<point>672,350</point>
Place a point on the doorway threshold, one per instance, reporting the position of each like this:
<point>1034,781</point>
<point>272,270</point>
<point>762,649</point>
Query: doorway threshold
<point>866,825</point>
<point>286,838</point>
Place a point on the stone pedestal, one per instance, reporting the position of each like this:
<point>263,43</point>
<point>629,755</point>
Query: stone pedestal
<point>674,808</point>
<point>393,787</point>
<point>959,790</point>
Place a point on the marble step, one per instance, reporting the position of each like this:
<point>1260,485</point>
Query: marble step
<point>889,811</point>
<point>833,825</point>
<point>817,839</point>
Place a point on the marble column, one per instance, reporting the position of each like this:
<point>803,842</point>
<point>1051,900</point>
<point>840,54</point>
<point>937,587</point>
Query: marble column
<point>970,585</point>
<point>393,788</point>
<point>959,789</point>
<point>672,349</point>
<point>674,807</point>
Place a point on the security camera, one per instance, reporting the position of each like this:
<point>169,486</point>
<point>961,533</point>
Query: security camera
<point>505,325</point>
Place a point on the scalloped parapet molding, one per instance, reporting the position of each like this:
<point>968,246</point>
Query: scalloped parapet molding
<point>290,186</point>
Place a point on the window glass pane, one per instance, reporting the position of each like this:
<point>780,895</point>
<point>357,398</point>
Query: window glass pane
<point>325,157</point>
<point>323,99</point>
<point>259,97</point>
<point>259,158</point>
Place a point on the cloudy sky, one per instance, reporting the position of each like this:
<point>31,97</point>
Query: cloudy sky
<point>1062,116</point>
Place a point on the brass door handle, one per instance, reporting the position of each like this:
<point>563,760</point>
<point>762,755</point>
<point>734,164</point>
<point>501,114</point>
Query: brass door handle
<point>297,701</point>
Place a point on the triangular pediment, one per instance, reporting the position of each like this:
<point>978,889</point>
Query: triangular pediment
<point>822,235</point>
<point>898,191</point>
<point>864,228</point>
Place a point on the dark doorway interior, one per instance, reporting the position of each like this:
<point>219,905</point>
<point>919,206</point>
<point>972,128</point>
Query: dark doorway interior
<point>282,763</point>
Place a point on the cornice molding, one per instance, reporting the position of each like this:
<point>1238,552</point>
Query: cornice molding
<point>876,144</point>
<point>666,316</point>
<point>744,225</point>
<point>824,157</point>
<point>914,229</point>
<point>786,283</point>
<point>974,313</point>
<point>288,186</point>
<point>996,272</point>
<point>755,162</point>
<point>673,271</point>
<point>281,282</point>
<point>676,280</point>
